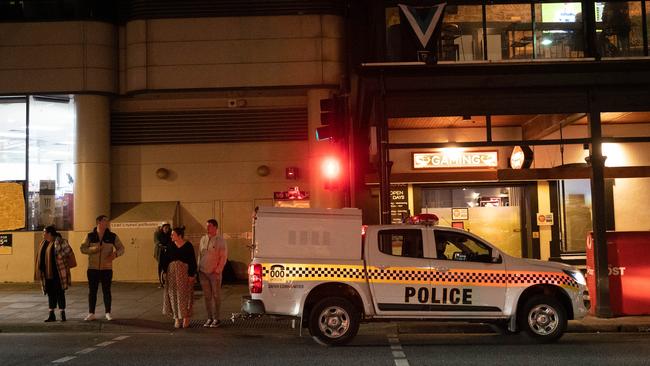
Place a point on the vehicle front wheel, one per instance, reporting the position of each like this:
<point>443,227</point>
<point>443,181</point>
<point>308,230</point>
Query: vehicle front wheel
<point>334,321</point>
<point>543,319</point>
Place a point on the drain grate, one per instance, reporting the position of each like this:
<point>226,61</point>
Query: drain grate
<point>250,323</point>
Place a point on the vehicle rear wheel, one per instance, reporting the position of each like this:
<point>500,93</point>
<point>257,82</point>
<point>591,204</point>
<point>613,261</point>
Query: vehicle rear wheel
<point>543,319</point>
<point>334,321</point>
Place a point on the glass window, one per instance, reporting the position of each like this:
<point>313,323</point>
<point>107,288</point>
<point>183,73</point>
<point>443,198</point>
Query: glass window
<point>576,214</point>
<point>559,30</point>
<point>493,213</point>
<point>509,32</point>
<point>619,28</point>
<point>459,35</point>
<point>461,247</point>
<point>51,168</point>
<point>402,243</point>
<point>13,121</point>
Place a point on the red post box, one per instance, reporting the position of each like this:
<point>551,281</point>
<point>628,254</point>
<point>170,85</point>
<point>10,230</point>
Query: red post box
<point>628,265</point>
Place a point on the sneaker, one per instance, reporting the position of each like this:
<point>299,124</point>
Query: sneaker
<point>208,323</point>
<point>215,324</point>
<point>89,317</point>
<point>109,317</point>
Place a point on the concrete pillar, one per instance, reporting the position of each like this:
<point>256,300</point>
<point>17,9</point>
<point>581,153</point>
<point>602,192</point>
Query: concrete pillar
<point>318,150</point>
<point>92,186</point>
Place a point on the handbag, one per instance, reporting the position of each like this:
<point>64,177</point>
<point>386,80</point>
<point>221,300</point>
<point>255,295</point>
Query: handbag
<point>72,260</point>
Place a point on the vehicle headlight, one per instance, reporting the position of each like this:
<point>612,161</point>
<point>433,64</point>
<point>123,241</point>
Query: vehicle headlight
<point>577,276</point>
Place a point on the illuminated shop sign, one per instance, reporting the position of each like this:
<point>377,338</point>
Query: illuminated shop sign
<point>455,158</point>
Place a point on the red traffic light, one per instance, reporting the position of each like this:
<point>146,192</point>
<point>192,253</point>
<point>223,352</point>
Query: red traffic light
<point>331,168</point>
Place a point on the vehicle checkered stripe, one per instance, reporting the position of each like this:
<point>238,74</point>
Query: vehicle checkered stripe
<point>311,272</point>
<point>314,272</point>
<point>524,279</point>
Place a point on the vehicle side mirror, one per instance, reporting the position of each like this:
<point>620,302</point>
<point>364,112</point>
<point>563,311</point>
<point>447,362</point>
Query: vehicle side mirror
<point>460,256</point>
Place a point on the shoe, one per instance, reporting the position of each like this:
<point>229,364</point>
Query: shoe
<point>109,317</point>
<point>89,317</point>
<point>208,323</point>
<point>177,323</point>
<point>215,324</point>
<point>186,322</point>
<point>51,317</point>
<point>63,315</point>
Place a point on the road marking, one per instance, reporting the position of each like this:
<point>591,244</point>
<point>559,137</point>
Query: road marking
<point>398,353</point>
<point>64,359</point>
<point>90,349</point>
<point>104,344</point>
<point>85,350</point>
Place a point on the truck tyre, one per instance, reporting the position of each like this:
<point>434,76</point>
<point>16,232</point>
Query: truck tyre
<point>543,319</point>
<point>334,321</point>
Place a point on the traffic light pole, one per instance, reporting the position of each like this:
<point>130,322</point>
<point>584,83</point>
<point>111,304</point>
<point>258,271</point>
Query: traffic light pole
<point>384,158</point>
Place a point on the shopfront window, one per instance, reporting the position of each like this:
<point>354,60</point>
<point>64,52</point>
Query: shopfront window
<point>575,222</point>
<point>47,166</point>
<point>13,121</point>
<point>492,213</point>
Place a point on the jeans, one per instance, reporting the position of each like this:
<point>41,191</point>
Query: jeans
<point>95,277</point>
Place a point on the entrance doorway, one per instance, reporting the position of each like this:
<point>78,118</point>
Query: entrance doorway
<point>496,213</point>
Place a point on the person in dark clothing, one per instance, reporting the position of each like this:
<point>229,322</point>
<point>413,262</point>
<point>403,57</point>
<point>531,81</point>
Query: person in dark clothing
<point>162,241</point>
<point>179,274</point>
<point>53,270</point>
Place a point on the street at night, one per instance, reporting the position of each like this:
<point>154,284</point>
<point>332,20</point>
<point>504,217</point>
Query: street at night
<point>283,347</point>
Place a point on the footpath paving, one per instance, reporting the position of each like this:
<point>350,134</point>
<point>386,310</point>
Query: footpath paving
<point>137,308</point>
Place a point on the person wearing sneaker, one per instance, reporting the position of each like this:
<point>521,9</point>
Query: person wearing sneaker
<point>179,274</point>
<point>102,246</point>
<point>53,269</point>
<point>213,254</point>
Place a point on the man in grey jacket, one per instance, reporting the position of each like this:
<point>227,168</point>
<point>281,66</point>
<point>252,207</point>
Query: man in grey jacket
<point>102,246</point>
<point>213,254</point>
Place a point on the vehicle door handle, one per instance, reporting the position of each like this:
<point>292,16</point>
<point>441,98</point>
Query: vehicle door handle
<point>440,269</point>
<point>383,267</point>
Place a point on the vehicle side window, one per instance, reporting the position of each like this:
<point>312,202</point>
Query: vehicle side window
<point>402,243</point>
<point>461,247</point>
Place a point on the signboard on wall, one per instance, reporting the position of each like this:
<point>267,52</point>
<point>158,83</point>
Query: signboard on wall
<point>12,206</point>
<point>455,159</point>
<point>6,243</point>
<point>545,219</point>
<point>399,203</point>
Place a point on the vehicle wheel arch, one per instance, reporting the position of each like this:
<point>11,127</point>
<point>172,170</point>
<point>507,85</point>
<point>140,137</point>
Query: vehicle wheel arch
<point>331,289</point>
<point>549,290</point>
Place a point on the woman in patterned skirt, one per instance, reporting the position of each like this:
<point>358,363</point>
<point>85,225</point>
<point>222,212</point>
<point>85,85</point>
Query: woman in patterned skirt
<point>179,271</point>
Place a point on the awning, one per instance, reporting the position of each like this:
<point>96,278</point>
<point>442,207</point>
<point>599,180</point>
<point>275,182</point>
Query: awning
<point>144,214</point>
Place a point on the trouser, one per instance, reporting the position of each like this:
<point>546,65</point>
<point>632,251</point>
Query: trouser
<point>211,285</point>
<point>55,294</point>
<point>95,277</point>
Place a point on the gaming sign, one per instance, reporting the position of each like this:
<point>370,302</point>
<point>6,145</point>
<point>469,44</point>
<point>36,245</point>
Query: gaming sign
<point>455,159</point>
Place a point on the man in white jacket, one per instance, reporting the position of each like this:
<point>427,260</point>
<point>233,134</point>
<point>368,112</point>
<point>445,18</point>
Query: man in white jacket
<point>213,254</point>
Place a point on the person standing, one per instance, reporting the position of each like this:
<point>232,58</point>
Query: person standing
<point>102,246</point>
<point>213,254</point>
<point>179,274</point>
<point>53,270</point>
<point>162,240</point>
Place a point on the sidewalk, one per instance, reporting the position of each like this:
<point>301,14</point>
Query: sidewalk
<point>137,308</point>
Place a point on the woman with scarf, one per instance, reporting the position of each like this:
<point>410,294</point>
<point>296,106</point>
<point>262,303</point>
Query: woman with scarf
<point>53,269</point>
<point>179,273</point>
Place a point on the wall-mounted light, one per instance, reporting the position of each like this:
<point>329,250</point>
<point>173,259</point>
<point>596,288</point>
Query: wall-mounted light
<point>263,170</point>
<point>162,173</point>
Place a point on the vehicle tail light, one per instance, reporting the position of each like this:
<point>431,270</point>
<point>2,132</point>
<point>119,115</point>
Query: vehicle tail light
<point>255,278</point>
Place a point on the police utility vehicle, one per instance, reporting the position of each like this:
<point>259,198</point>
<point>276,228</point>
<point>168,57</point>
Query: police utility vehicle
<point>322,266</point>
